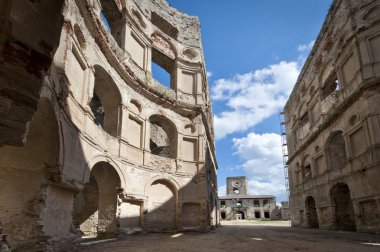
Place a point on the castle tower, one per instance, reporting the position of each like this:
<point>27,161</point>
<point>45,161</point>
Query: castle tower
<point>237,185</point>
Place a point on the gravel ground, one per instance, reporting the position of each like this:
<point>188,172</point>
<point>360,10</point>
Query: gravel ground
<point>246,236</point>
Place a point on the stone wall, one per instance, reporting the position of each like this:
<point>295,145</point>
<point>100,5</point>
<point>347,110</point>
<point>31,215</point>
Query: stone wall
<point>81,161</point>
<point>332,124</point>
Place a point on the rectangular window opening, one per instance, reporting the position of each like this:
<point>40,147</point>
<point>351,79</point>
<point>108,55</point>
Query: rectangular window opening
<point>332,86</point>
<point>164,25</point>
<point>162,68</point>
<point>266,203</point>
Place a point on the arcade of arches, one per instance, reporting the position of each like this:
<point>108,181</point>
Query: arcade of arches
<point>91,145</point>
<point>331,123</point>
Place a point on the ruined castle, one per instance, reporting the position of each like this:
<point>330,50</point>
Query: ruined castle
<point>91,144</point>
<point>333,124</point>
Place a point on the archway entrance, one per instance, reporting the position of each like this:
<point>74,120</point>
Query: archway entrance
<point>95,206</point>
<point>344,210</point>
<point>240,215</point>
<point>162,211</point>
<point>311,213</point>
<point>223,215</point>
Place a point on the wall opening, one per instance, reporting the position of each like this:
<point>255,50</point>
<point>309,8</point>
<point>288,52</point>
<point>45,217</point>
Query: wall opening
<point>257,215</point>
<point>161,75</point>
<point>256,203</point>
<point>105,103</point>
<point>266,203</point>
<point>311,213</point>
<point>223,215</point>
<point>240,215</point>
<point>344,210</point>
<point>266,215</point>
<point>163,137</point>
<point>222,203</point>
<point>164,25</point>
<point>163,68</point>
<point>95,206</point>
<point>112,19</point>
<point>336,151</point>
<point>331,87</point>
<point>239,204</point>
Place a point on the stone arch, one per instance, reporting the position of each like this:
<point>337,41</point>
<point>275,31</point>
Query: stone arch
<point>311,212</point>
<point>95,206</point>
<point>163,136</point>
<point>102,158</point>
<point>162,205</point>
<point>106,102</point>
<point>137,104</point>
<point>343,208</point>
<point>335,149</point>
<point>170,180</point>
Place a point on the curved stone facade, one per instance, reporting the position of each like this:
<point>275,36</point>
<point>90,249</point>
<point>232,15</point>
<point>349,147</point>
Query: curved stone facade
<point>109,149</point>
<point>332,124</point>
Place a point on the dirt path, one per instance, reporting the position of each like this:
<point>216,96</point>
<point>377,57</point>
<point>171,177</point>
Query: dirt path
<point>246,237</point>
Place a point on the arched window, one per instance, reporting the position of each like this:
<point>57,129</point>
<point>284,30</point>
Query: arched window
<point>163,137</point>
<point>336,151</point>
<point>105,102</point>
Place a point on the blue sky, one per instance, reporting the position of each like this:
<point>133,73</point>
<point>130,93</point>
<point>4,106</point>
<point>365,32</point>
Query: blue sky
<point>254,51</point>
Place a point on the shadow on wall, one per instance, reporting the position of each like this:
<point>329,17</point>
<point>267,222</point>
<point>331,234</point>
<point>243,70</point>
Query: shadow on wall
<point>101,211</point>
<point>169,208</point>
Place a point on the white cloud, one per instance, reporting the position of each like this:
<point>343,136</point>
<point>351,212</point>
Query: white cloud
<point>222,190</point>
<point>209,74</point>
<point>305,47</point>
<point>253,97</point>
<point>262,157</point>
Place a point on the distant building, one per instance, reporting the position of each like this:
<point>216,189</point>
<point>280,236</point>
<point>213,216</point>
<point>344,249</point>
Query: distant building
<point>239,205</point>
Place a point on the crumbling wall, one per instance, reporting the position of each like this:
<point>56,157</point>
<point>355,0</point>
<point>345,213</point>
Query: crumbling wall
<point>332,94</point>
<point>104,101</point>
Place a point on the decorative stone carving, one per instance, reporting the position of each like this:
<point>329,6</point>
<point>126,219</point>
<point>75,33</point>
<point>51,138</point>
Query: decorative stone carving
<point>162,164</point>
<point>163,45</point>
<point>190,53</point>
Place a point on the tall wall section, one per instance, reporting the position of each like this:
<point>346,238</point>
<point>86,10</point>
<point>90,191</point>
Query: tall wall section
<point>103,148</point>
<point>332,124</point>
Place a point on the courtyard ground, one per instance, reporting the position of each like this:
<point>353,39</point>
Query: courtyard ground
<point>246,236</point>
